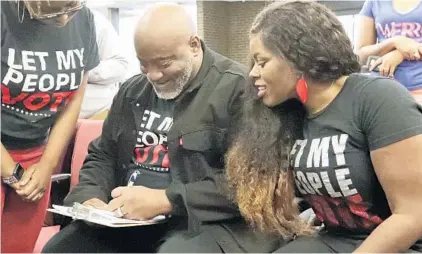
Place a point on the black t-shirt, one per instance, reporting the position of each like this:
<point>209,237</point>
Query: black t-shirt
<point>332,165</point>
<point>150,162</point>
<point>41,68</point>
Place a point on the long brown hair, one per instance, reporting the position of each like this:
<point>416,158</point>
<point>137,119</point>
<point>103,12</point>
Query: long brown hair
<point>258,167</point>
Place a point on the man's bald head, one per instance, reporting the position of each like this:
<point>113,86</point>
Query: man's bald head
<point>168,49</point>
<point>167,23</point>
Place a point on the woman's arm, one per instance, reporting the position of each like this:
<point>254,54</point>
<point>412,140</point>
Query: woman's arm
<point>366,41</point>
<point>64,127</point>
<point>7,162</point>
<point>7,165</point>
<point>36,178</point>
<point>399,170</point>
<point>393,131</point>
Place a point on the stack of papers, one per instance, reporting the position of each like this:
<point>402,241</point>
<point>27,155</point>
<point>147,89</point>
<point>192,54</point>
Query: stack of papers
<point>101,217</point>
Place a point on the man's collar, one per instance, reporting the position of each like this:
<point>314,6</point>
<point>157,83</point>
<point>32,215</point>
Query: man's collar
<point>207,62</point>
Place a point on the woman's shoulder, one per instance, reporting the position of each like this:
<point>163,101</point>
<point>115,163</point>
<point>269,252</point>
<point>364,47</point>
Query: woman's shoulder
<point>84,15</point>
<point>7,6</point>
<point>9,9</point>
<point>378,94</point>
<point>362,83</point>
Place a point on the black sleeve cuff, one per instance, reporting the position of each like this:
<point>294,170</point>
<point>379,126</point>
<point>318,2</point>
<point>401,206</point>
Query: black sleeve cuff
<point>176,193</point>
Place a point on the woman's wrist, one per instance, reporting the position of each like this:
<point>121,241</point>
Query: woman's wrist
<point>7,169</point>
<point>395,40</point>
<point>7,163</point>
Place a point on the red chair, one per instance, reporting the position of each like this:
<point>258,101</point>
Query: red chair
<point>86,131</point>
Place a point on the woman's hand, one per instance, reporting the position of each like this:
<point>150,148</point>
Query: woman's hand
<point>35,182</point>
<point>388,63</point>
<point>411,49</point>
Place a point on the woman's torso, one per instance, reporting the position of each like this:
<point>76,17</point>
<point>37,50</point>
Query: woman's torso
<point>390,22</point>
<point>41,69</point>
<point>333,170</point>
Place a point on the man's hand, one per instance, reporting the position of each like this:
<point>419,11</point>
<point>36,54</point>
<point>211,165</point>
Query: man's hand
<point>34,182</point>
<point>388,63</point>
<point>411,49</point>
<point>139,203</point>
<point>96,203</point>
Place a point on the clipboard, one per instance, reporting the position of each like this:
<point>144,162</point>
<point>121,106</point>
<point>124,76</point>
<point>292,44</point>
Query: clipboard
<point>101,217</point>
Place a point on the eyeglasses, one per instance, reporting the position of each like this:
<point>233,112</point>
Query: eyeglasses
<point>39,15</point>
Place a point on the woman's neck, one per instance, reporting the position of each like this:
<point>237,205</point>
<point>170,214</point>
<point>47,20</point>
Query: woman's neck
<point>405,6</point>
<point>320,95</point>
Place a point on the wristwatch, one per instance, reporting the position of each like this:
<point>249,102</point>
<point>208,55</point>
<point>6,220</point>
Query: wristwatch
<point>16,176</point>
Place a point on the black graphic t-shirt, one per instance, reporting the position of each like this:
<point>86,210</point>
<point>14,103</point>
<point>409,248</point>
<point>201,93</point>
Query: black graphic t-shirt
<point>41,69</point>
<point>150,162</point>
<point>332,166</point>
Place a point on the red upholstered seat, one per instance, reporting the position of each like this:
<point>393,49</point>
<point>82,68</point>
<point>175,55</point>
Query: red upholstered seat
<point>88,130</point>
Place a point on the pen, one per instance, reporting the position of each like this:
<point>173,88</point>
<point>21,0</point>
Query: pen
<point>132,178</point>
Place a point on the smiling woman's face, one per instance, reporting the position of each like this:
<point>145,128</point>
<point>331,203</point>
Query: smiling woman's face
<point>273,76</point>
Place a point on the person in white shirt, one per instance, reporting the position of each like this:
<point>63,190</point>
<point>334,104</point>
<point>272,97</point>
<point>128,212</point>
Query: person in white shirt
<point>103,81</point>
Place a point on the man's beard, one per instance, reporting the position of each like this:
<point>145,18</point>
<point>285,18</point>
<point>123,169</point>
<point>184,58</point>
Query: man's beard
<point>176,85</point>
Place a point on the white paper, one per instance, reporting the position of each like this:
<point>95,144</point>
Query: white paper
<point>97,216</point>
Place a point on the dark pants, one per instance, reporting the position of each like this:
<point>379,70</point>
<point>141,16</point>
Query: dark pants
<point>78,237</point>
<point>327,243</point>
<point>322,243</point>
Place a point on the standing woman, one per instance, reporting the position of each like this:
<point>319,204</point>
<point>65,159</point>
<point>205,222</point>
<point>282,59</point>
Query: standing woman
<point>47,49</point>
<point>391,29</point>
<point>348,144</point>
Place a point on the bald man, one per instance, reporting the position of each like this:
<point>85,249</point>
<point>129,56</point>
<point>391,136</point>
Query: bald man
<point>162,150</point>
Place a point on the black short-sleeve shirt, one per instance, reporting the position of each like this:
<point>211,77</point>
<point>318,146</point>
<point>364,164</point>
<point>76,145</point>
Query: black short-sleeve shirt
<point>41,68</point>
<point>332,165</point>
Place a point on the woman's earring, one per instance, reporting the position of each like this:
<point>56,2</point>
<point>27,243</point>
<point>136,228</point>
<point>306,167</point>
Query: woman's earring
<point>302,90</point>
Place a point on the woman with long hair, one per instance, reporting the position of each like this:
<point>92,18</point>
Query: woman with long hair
<point>348,144</point>
<point>47,49</point>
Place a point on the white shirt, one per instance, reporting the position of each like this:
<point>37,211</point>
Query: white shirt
<point>103,80</point>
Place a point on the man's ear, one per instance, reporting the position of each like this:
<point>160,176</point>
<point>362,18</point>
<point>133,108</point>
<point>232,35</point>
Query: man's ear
<point>195,45</point>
